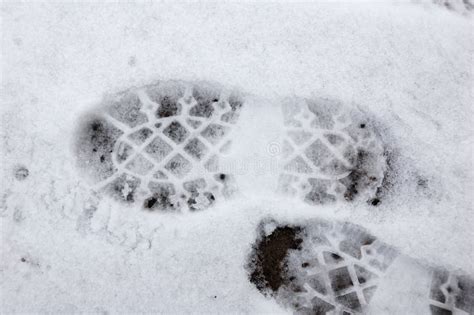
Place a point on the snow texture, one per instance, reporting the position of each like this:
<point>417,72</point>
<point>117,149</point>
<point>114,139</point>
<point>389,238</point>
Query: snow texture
<point>317,112</point>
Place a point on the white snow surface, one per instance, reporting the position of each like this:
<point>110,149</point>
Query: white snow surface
<point>410,65</point>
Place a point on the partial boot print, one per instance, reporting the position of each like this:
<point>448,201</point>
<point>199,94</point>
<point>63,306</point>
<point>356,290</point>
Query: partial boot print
<point>330,153</point>
<point>323,267</point>
<point>159,145</point>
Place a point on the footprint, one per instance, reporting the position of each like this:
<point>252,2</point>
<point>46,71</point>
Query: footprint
<point>323,267</point>
<point>330,152</point>
<point>159,145</point>
<point>460,6</point>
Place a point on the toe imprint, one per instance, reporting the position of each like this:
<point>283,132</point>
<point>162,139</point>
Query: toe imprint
<point>146,145</point>
<point>323,267</point>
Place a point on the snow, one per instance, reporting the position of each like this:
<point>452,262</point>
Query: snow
<point>407,64</point>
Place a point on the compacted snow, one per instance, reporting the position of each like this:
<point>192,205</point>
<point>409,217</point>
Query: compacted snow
<point>401,73</point>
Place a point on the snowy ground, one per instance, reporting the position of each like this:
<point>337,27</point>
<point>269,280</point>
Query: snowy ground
<point>408,64</point>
